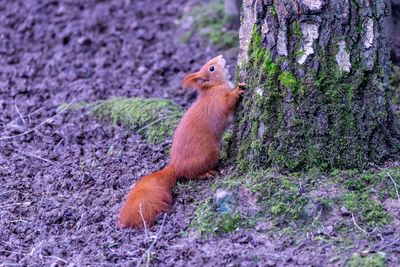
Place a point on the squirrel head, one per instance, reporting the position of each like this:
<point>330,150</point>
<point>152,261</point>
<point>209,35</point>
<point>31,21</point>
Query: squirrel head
<point>211,74</point>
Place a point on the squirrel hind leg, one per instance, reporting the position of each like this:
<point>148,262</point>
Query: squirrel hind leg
<point>209,174</point>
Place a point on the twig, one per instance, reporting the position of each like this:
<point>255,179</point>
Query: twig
<point>13,252</point>
<point>144,222</point>
<point>354,221</point>
<point>36,197</point>
<point>6,192</point>
<point>37,157</point>
<point>15,127</point>
<point>373,190</point>
<point>19,113</point>
<point>59,143</point>
<point>19,220</point>
<point>16,203</point>
<point>78,223</point>
<point>56,258</point>
<point>26,116</point>
<point>152,244</point>
<point>35,248</point>
<point>395,185</point>
<point>39,125</point>
<point>151,123</point>
<point>391,178</point>
<point>28,254</point>
<point>29,116</point>
<point>389,244</point>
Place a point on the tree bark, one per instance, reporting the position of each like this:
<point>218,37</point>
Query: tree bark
<point>317,76</point>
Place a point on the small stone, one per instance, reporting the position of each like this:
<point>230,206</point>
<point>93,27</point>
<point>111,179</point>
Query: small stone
<point>263,226</point>
<point>244,239</point>
<point>309,211</point>
<point>270,263</point>
<point>328,230</point>
<point>344,211</point>
<point>259,91</point>
<point>226,201</point>
<point>141,69</point>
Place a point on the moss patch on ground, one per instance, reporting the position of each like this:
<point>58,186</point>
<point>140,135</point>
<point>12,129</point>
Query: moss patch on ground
<point>373,260</point>
<point>310,199</point>
<point>207,221</point>
<point>210,21</point>
<point>338,210</point>
<point>153,118</point>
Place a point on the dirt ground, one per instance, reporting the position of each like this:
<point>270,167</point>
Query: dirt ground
<point>63,183</point>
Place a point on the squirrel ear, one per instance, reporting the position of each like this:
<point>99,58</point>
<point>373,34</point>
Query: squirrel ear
<point>194,80</point>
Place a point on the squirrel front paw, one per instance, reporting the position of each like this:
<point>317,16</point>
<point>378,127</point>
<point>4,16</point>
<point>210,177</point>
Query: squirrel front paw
<point>240,88</point>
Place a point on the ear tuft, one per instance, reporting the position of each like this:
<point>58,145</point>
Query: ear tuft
<point>192,80</point>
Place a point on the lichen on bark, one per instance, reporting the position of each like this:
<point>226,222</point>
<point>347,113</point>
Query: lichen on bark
<point>317,76</point>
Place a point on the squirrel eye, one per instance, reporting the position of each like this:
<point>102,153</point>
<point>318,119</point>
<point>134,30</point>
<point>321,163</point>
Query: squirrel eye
<point>212,68</point>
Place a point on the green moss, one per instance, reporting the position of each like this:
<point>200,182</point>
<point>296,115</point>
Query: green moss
<point>287,79</point>
<point>205,219</point>
<point>225,138</point>
<point>361,201</point>
<point>280,198</point>
<point>154,118</point>
<point>299,53</point>
<point>286,202</point>
<point>359,27</point>
<point>269,67</point>
<point>335,172</point>
<point>297,31</point>
<point>238,78</point>
<point>210,20</point>
<point>272,10</point>
<point>74,106</point>
<point>229,222</point>
<point>255,38</point>
<point>310,199</point>
<point>271,93</point>
<point>372,260</point>
<point>209,221</point>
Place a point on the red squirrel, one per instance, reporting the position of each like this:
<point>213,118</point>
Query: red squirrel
<point>195,147</point>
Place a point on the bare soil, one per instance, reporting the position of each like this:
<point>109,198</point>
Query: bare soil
<point>65,177</point>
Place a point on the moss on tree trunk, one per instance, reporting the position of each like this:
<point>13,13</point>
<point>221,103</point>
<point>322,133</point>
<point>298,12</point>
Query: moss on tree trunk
<point>317,76</point>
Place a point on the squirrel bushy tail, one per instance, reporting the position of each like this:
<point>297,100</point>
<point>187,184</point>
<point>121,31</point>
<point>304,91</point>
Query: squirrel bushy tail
<point>153,194</point>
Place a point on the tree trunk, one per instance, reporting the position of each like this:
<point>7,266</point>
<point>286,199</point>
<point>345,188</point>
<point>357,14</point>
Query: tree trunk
<point>317,76</point>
